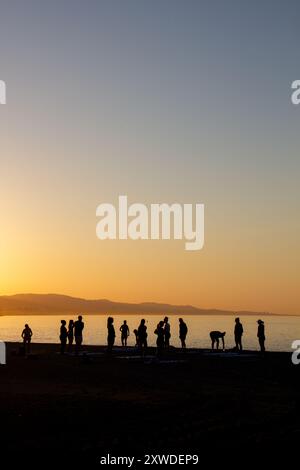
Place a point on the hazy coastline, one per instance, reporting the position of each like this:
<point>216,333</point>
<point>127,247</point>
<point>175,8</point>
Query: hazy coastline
<point>57,304</point>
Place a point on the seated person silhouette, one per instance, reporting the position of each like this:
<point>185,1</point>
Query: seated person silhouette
<point>215,337</point>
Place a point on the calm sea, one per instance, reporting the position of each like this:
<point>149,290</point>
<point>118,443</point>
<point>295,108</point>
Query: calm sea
<point>280,331</point>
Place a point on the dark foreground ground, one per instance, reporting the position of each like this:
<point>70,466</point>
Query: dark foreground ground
<point>73,409</point>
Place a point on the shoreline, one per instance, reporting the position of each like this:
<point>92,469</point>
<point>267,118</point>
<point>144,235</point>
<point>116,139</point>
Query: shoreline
<point>151,350</point>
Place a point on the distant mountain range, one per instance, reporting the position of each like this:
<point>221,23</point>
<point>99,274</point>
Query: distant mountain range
<point>51,304</point>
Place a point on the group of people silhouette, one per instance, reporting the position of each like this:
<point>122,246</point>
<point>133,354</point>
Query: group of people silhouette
<point>74,331</point>
<point>216,336</point>
<point>163,332</point>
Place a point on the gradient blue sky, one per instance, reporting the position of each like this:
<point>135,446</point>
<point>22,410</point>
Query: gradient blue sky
<point>184,101</point>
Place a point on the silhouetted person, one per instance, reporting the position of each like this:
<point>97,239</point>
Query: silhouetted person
<point>160,341</point>
<point>142,335</point>
<point>124,333</point>
<point>215,337</point>
<point>136,337</point>
<point>183,329</point>
<point>63,336</point>
<point>261,335</point>
<point>110,334</point>
<point>78,329</point>
<point>238,333</point>
<point>27,335</point>
<point>70,334</point>
<point>167,332</point>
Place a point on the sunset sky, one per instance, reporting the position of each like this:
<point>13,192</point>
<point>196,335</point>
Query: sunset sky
<point>163,101</point>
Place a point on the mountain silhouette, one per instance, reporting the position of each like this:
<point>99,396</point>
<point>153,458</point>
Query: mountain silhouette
<point>43,304</point>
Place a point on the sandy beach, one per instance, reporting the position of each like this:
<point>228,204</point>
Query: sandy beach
<point>69,408</point>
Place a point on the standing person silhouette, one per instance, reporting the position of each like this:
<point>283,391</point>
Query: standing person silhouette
<point>78,329</point>
<point>124,333</point>
<point>183,329</point>
<point>167,332</point>
<point>63,336</point>
<point>27,335</point>
<point>261,335</point>
<point>70,335</point>
<point>142,336</point>
<point>110,334</point>
<point>160,342</point>
<point>238,333</point>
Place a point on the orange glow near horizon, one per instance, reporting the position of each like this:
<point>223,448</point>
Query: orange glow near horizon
<point>223,277</point>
